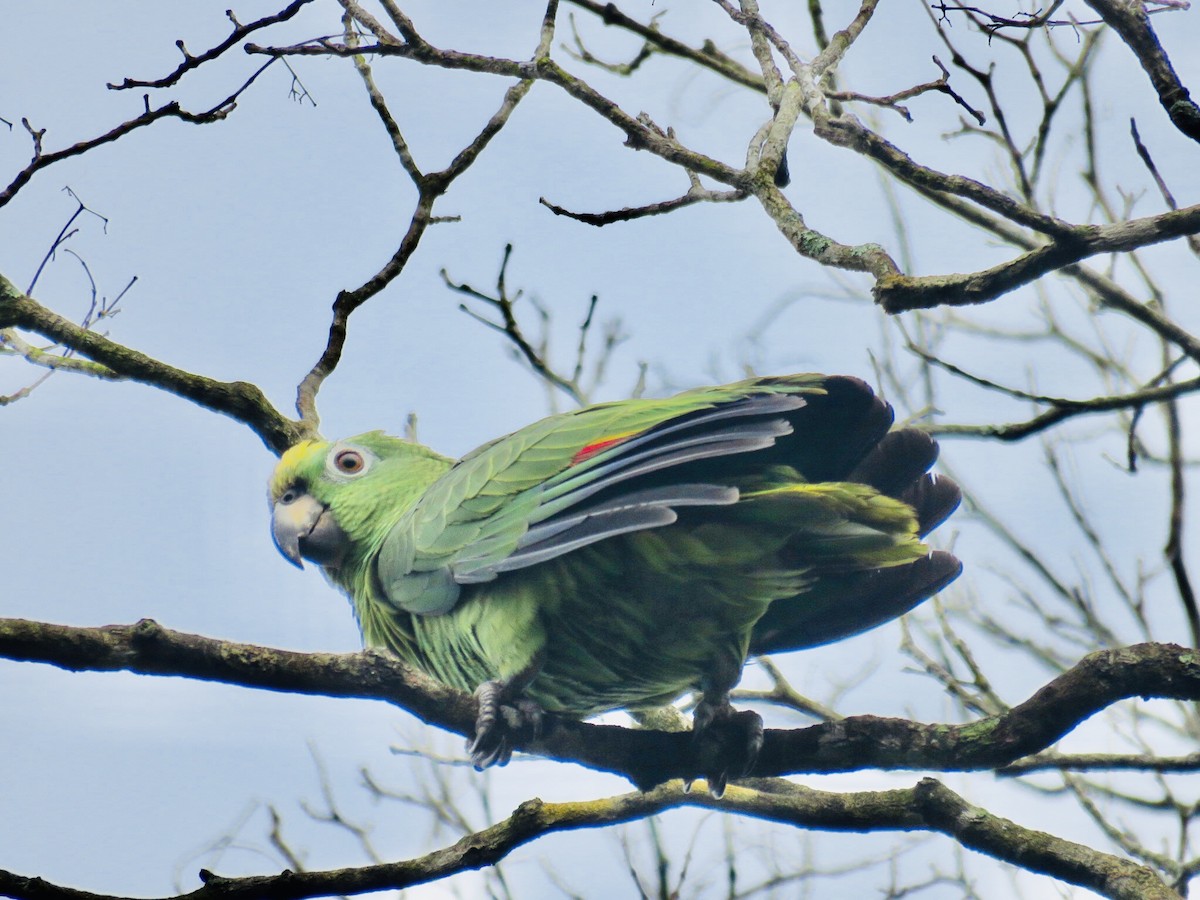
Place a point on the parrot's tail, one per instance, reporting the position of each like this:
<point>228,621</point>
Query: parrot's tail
<point>840,604</point>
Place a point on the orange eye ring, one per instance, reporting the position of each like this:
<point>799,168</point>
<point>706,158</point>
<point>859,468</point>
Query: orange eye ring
<point>349,462</point>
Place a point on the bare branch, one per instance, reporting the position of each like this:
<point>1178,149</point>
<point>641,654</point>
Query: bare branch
<point>1168,197</point>
<point>511,329</point>
<point>645,757</point>
<point>928,805</point>
<point>781,693</point>
<point>581,53</point>
<point>708,56</point>
<point>1132,23</point>
<point>1089,762</point>
<point>171,110</point>
<point>191,62</point>
<point>239,400</point>
<point>1061,408</point>
<point>992,23</point>
<point>892,101</point>
<point>696,194</point>
<point>430,187</point>
<point>900,292</point>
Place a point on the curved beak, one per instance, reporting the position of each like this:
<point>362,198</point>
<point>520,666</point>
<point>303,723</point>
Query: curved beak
<point>304,528</point>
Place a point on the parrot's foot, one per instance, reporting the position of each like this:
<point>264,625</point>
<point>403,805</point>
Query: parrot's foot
<point>499,718</point>
<point>725,742</point>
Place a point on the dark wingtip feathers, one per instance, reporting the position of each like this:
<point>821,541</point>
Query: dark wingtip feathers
<point>851,604</point>
<point>895,463</point>
<point>934,497</point>
<point>835,429</point>
<point>899,459</point>
<point>897,466</point>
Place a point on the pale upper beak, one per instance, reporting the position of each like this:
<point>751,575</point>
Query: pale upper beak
<point>304,528</point>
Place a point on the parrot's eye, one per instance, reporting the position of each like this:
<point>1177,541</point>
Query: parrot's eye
<point>346,461</point>
<point>350,462</point>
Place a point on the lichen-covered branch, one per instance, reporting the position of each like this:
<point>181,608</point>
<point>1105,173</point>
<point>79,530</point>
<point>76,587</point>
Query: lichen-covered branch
<point>894,291</point>
<point>902,292</point>
<point>927,806</point>
<point>645,757</point>
<point>237,399</point>
<point>1132,23</point>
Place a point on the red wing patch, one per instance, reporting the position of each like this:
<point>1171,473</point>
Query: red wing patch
<point>590,450</point>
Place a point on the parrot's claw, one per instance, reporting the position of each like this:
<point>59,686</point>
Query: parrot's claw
<point>725,742</point>
<point>497,721</point>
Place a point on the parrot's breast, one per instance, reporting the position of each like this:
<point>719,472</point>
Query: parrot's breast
<point>633,622</point>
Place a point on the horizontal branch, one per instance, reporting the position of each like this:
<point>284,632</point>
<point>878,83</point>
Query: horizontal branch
<point>927,806</point>
<point>695,194</point>
<point>898,293</point>
<point>646,758</point>
<point>1108,762</point>
<point>639,135</point>
<point>1100,286</point>
<point>237,399</point>
<point>1061,408</point>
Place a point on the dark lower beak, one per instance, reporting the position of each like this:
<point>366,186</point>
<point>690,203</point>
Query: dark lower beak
<point>305,529</point>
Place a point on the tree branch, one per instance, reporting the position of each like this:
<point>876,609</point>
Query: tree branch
<point>1132,23</point>
<point>237,399</point>
<point>1091,762</point>
<point>430,187</point>
<point>171,110</point>
<point>646,758</point>
<point>927,806</point>
<point>191,62</point>
<point>899,293</point>
<point>894,291</point>
<point>695,194</point>
<point>707,56</point>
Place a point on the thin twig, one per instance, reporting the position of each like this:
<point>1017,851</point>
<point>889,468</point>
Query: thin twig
<point>170,110</point>
<point>191,62</point>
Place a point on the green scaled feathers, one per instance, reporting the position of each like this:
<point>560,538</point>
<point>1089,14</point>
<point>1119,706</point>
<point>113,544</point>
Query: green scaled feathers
<point>622,554</point>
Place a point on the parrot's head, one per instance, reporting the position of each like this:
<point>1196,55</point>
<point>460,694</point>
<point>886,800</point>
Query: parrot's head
<point>335,500</point>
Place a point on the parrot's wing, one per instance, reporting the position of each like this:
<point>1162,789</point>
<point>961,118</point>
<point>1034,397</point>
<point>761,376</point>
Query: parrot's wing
<point>571,480</point>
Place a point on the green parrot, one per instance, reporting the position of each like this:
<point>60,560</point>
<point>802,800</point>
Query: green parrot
<point>620,555</point>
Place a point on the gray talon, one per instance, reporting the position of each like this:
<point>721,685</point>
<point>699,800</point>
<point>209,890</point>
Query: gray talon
<point>497,721</point>
<point>726,742</point>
